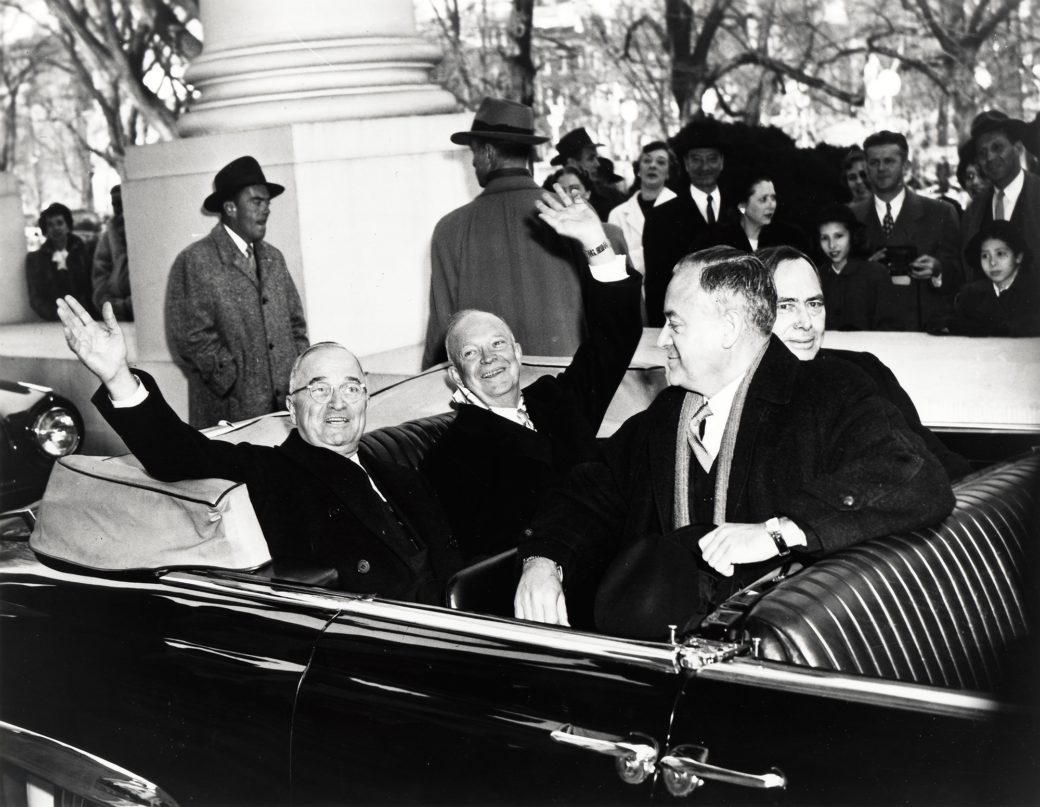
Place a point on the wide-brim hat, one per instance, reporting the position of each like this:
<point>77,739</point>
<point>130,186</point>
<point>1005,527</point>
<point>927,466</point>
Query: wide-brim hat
<point>994,120</point>
<point>571,144</point>
<point>606,170</point>
<point>699,134</point>
<point>501,120</point>
<point>237,174</point>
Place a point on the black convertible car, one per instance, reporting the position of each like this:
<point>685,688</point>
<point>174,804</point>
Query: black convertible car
<point>898,671</point>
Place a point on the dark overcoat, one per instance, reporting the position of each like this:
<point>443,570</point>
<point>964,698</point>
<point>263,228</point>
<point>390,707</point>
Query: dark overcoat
<point>491,473</point>
<point>1026,216</point>
<point>312,503</point>
<point>235,337</point>
<point>47,282</point>
<point>816,443</point>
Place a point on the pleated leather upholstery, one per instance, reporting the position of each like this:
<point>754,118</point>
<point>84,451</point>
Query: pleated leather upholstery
<point>937,606</point>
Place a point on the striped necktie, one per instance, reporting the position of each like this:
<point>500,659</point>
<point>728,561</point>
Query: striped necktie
<point>889,222</point>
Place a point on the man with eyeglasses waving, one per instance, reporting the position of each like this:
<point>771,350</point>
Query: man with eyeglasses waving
<point>317,497</point>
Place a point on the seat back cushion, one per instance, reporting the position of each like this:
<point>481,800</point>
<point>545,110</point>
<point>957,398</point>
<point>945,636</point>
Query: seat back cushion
<point>937,606</point>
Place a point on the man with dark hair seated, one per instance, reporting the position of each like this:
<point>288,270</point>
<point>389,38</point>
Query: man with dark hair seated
<point>801,320</point>
<point>749,455</point>
<point>316,496</point>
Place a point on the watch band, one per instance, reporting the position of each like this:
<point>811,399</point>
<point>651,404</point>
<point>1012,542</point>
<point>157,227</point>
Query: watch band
<point>773,528</point>
<point>592,253</point>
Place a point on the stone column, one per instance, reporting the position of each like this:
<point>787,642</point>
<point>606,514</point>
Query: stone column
<point>14,302</point>
<point>335,101</point>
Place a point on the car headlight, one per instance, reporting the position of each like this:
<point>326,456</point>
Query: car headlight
<point>56,431</point>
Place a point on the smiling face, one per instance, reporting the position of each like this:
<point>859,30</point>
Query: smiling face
<point>760,206</point>
<point>801,318</point>
<point>56,231</point>
<point>485,359</point>
<point>247,212</point>
<point>336,424</point>
<point>835,241</point>
<point>886,165</point>
<point>999,262</point>
<point>693,337</point>
<point>653,170</point>
<point>704,167</point>
<point>998,157</point>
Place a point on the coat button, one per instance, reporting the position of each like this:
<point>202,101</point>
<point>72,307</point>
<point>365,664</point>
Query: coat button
<point>270,345</point>
<point>848,501</point>
<point>335,510</point>
<point>363,566</point>
<point>263,300</point>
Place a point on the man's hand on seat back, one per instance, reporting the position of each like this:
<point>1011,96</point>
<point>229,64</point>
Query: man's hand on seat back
<point>539,594</point>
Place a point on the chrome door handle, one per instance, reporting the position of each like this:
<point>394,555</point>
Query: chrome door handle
<point>635,756</point>
<point>686,768</point>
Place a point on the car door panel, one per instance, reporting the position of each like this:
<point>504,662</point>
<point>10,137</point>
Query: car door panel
<point>842,739</point>
<point>404,704</point>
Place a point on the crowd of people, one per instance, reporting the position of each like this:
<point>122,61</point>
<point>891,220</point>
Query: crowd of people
<point>764,443</point>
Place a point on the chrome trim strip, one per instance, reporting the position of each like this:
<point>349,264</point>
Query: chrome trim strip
<point>552,638</point>
<point>829,684</point>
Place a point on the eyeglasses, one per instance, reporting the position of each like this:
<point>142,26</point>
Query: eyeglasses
<point>321,392</point>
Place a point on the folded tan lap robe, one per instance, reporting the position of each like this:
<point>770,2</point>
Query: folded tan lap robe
<point>108,514</point>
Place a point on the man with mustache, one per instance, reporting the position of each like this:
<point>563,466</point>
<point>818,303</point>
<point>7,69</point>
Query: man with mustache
<point>234,319</point>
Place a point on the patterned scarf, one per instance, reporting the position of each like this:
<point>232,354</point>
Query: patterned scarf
<point>462,396</point>
<point>723,462</point>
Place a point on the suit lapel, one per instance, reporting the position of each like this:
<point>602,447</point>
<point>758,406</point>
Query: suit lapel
<point>661,447</point>
<point>347,481</point>
<point>231,256</point>
<point>771,385</point>
<point>496,434</point>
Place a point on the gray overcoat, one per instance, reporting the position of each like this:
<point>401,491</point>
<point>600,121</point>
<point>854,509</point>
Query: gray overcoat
<point>235,338</point>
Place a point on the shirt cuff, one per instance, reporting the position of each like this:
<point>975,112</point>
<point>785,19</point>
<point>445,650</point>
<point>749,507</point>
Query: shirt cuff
<point>610,272</point>
<point>792,533</point>
<point>936,281</point>
<point>134,400</point>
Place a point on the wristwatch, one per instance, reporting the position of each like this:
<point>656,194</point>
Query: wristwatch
<point>773,528</point>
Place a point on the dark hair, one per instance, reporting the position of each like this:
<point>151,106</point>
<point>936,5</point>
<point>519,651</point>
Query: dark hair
<point>748,187</point>
<point>56,209</point>
<point>836,212</point>
<point>573,170</point>
<point>999,230</point>
<point>772,257</point>
<point>887,138</point>
<point>732,271</point>
<point>852,156</point>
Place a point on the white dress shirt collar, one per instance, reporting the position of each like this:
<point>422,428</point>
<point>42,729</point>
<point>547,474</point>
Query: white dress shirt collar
<point>715,425</point>
<point>896,202</point>
<point>1011,194</point>
<point>238,240</point>
<point>700,198</point>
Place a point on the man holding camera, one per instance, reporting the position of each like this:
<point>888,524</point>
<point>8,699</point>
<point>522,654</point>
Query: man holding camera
<point>915,237</point>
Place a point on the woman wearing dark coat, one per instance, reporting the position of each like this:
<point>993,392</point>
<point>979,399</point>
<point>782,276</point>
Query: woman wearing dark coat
<point>61,266</point>
<point>757,228</point>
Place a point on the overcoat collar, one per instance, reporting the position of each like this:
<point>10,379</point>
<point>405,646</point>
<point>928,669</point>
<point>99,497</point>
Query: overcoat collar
<point>772,385</point>
<point>231,256</point>
<point>496,434</point>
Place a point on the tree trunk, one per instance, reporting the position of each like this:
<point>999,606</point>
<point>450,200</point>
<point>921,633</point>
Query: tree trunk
<point>521,66</point>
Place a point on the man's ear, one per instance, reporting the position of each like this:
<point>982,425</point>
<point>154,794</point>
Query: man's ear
<point>732,327</point>
<point>453,374</point>
<point>517,351</point>
<point>291,407</point>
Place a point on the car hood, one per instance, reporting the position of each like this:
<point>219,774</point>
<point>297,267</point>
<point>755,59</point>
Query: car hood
<point>18,397</point>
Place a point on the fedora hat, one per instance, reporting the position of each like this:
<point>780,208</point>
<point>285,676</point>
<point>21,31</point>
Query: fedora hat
<point>993,120</point>
<point>571,145</point>
<point>237,174</point>
<point>502,120</point>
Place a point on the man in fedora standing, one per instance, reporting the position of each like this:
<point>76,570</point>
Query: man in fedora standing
<point>577,150</point>
<point>997,144</point>
<point>494,254</point>
<point>234,319</point>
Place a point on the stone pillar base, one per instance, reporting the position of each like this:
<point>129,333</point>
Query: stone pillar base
<point>354,223</point>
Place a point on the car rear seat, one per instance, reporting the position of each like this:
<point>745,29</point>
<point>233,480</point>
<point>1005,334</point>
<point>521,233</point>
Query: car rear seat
<point>937,606</point>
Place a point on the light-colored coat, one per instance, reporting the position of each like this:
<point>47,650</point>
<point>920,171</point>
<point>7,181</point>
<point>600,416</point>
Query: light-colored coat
<point>235,338</point>
<point>629,217</point>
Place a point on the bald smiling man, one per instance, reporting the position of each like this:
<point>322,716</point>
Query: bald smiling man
<point>319,496</point>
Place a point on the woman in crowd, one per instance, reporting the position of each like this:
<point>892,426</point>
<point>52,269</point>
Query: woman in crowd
<point>853,287</point>
<point>854,173</point>
<point>578,186</point>
<point>1004,304</point>
<point>757,228</point>
<point>656,166</point>
<point>969,175</point>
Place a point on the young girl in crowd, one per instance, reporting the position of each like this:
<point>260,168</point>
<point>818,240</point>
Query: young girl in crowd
<point>853,288</point>
<point>1006,303</point>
